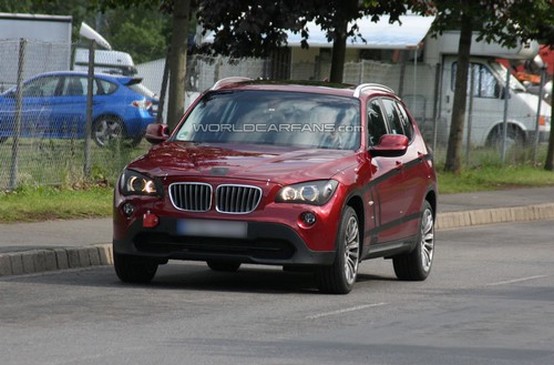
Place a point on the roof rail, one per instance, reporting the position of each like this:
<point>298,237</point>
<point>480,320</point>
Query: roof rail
<point>362,87</point>
<point>229,80</point>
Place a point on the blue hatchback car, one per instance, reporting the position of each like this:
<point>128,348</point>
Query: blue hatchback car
<point>54,106</point>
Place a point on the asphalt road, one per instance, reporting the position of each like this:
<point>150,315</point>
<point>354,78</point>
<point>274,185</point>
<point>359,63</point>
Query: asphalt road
<point>489,300</point>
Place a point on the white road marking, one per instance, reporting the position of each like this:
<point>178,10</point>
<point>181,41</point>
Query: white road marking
<point>345,310</point>
<point>517,280</point>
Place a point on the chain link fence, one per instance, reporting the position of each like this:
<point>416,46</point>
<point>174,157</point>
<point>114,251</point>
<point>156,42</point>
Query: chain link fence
<point>42,119</point>
<point>34,156</point>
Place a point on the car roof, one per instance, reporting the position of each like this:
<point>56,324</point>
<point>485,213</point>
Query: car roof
<point>317,87</point>
<point>121,78</point>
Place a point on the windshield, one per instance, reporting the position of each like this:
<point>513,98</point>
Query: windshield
<point>501,71</point>
<point>276,118</point>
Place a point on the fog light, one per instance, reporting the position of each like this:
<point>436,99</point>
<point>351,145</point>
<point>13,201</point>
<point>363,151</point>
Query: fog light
<point>128,209</point>
<point>308,218</point>
<point>150,220</point>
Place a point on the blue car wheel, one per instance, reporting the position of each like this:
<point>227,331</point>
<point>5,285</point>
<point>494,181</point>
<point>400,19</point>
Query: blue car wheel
<point>106,129</point>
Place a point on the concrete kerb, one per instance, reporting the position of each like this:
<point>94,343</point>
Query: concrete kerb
<point>42,260</point>
<point>451,220</point>
<point>52,259</point>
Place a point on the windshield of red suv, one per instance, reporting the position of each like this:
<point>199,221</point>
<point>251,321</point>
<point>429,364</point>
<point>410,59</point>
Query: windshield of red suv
<point>298,119</point>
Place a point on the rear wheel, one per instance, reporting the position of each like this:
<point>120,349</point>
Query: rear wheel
<point>134,269</point>
<point>416,265</point>
<point>223,266</point>
<point>340,277</point>
<point>106,129</point>
<point>3,139</point>
<point>514,137</point>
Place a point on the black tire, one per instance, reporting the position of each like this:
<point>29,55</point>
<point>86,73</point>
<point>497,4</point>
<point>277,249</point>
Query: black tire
<point>224,266</point>
<point>107,129</point>
<point>3,139</point>
<point>134,269</point>
<point>416,265</point>
<point>340,277</point>
<point>514,137</point>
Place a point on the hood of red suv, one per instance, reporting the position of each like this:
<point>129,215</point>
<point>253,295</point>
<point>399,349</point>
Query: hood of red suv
<point>249,162</point>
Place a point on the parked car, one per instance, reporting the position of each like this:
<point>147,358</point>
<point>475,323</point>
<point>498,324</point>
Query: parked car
<point>305,176</point>
<point>54,105</point>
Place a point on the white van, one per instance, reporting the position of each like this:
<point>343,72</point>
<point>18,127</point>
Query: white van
<point>105,61</point>
<point>489,92</point>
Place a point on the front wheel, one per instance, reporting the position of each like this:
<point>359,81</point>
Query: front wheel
<point>340,277</point>
<point>416,265</point>
<point>134,269</point>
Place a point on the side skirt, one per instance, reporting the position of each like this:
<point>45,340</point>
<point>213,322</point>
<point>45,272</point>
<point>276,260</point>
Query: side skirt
<point>390,249</point>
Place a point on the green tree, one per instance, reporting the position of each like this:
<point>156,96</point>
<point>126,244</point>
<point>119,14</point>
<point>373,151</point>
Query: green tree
<point>541,27</point>
<point>143,33</point>
<point>254,28</point>
<point>179,11</point>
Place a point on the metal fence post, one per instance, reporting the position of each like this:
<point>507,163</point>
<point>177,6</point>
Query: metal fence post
<point>505,122</point>
<point>88,126</point>
<point>470,112</point>
<point>18,107</point>
<point>537,122</point>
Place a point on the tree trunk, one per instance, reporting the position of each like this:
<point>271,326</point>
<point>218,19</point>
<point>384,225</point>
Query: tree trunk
<point>455,138</point>
<point>339,52</point>
<point>549,164</point>
<point>177,62</point>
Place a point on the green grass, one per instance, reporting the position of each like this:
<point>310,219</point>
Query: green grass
<point>60,162</point>
<point>75,196</point>
<point>43,203</point>
<point>28,203</point>
<point>494,178</point>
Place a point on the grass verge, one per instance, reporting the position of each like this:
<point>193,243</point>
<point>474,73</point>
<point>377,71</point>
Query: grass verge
<point>494,178</point>
<point>29,204</point>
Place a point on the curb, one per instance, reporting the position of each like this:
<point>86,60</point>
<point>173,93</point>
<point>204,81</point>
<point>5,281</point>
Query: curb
<point>54,259</point>
<point>452,220</point>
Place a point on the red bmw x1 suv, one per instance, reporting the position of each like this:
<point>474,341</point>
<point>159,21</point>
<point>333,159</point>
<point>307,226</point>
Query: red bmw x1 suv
<point>307,176</point>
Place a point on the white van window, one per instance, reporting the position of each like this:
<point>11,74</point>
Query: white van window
<point>501,71</point>
<point>485,84</point>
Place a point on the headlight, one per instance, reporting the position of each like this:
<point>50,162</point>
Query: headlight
<point>313,192</point>
<point>134,183</point>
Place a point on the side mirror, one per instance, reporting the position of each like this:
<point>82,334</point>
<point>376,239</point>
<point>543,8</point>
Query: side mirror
<point>157,133</point>
<point>390,145</point>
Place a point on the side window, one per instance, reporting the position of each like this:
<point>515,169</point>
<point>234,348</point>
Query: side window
<point>485,84</point>
<point>393,116</point>
<point>405,121</point>
<point>104,87</point>
<point>45,86</point>
<point>75,86</point>
<point>375,122</point>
